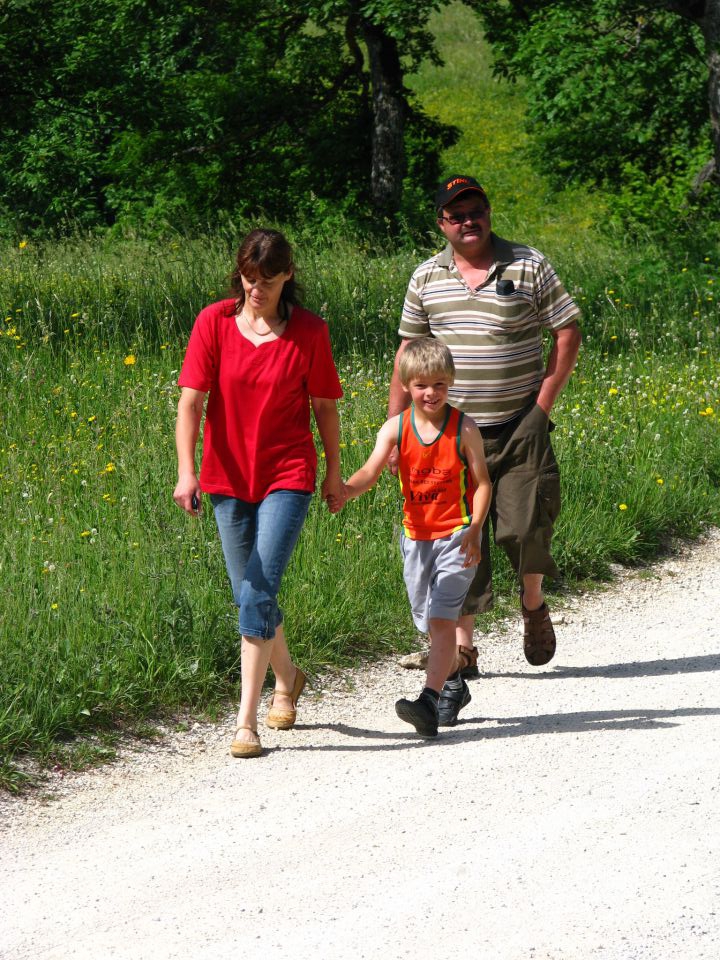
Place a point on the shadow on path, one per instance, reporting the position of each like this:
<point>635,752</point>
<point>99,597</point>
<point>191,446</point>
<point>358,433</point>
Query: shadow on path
<point>610,671</point>
<point>584,722</point>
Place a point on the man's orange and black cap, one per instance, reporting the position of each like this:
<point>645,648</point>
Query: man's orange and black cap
<point>451,188</point>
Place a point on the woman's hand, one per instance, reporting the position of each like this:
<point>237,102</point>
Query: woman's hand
<point>333,492</point>
<point>187,494</point>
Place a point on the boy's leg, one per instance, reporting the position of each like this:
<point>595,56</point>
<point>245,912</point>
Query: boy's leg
<point>478,599</point>
<point>442,652</point>
<point>417,572</point>
<point>448,594</point>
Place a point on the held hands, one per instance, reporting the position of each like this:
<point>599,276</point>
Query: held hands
<point>470,546</point>
<point>332,492</point>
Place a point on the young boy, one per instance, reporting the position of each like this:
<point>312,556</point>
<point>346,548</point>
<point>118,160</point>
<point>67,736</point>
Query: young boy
<point>446,491</point>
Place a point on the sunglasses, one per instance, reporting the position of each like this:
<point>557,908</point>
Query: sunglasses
<point>457,219</point>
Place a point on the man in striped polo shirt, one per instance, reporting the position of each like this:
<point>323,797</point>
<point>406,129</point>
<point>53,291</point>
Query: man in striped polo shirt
<point>491,301</point>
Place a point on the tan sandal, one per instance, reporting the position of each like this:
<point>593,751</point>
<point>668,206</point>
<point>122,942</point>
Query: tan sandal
<point>243,748</point>
<point>285,719</point>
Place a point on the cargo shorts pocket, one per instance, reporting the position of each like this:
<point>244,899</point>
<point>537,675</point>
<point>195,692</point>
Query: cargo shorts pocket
<point>529,439</point>
<point>548,494</point>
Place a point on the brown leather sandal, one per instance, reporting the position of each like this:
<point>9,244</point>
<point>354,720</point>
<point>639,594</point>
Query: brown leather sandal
<point>466,659</point>
<point>539,640</point>
<point>285,719</point>
<point>243,748</point>
<point>466,662</point>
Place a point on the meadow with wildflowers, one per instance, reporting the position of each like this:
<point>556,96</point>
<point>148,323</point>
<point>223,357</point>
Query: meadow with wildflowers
<point>116,607</point>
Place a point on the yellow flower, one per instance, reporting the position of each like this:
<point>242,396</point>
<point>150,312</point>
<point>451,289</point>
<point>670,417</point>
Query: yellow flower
<point>53,606</point>
<point>22,244</point>
<point>109,468</point>
<point>622,506</point>
<point>85,533</point>
<point>612,391</point>
<point>129,360</point>
<point>659,481</point>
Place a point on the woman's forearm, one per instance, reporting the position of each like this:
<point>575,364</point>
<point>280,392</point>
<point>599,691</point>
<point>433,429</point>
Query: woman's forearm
<point>328,424</point>
<point>187,429</point>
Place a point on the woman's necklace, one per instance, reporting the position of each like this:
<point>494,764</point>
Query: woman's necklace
<point>251,328</point>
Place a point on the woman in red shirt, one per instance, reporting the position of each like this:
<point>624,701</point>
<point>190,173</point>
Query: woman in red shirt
<point>262,361</point>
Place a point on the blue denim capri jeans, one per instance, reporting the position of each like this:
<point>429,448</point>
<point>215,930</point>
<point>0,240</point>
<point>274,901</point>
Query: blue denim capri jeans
<point>258,540</point>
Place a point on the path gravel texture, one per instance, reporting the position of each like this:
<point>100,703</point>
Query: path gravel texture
<point>572,815</point>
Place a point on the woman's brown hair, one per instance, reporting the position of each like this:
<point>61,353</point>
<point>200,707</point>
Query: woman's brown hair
<point>265,253</point>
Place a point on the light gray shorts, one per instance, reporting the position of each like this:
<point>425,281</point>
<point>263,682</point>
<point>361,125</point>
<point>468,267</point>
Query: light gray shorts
<point>436,580</point>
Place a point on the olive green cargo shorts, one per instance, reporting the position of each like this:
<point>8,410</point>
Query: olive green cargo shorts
<point>525,503</point>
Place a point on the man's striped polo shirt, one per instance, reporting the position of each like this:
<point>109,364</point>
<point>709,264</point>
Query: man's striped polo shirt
<point>493,332</point>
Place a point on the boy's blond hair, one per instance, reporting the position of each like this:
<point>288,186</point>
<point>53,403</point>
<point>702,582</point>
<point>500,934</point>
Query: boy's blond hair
<point>425,359</point>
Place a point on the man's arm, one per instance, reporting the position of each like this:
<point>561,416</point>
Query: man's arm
<point>398,397</point>
<point>398,400</point>
<point>560,365</point>
<point>472,449</point>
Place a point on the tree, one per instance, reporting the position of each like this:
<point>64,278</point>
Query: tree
<point>397,39</point>
<point>706,14</point>
<point>135,109</point>
<point>615,87</point>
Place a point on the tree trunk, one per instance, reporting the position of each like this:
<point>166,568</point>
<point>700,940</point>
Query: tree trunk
<point>710,26</point>
<point>388,109</point>
<point>706,14</point>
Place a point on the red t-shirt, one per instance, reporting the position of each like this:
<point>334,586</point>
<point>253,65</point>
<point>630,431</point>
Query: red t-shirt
<point>257,435</point>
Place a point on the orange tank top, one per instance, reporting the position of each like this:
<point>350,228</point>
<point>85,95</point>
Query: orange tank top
<point>435,480</point>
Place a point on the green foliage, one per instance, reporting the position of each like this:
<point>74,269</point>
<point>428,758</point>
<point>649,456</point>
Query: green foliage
<point>123,111</point>
<point>127,598</point>
<point>120,607</point>
<point>615,97</point>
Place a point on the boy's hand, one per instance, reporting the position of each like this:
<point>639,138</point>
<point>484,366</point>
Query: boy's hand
<point>470,546</point>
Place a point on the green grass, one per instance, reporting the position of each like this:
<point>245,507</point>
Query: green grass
<point>117,608</point>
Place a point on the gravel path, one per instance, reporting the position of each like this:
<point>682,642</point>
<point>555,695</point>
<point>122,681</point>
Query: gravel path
<point>572,815</point>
